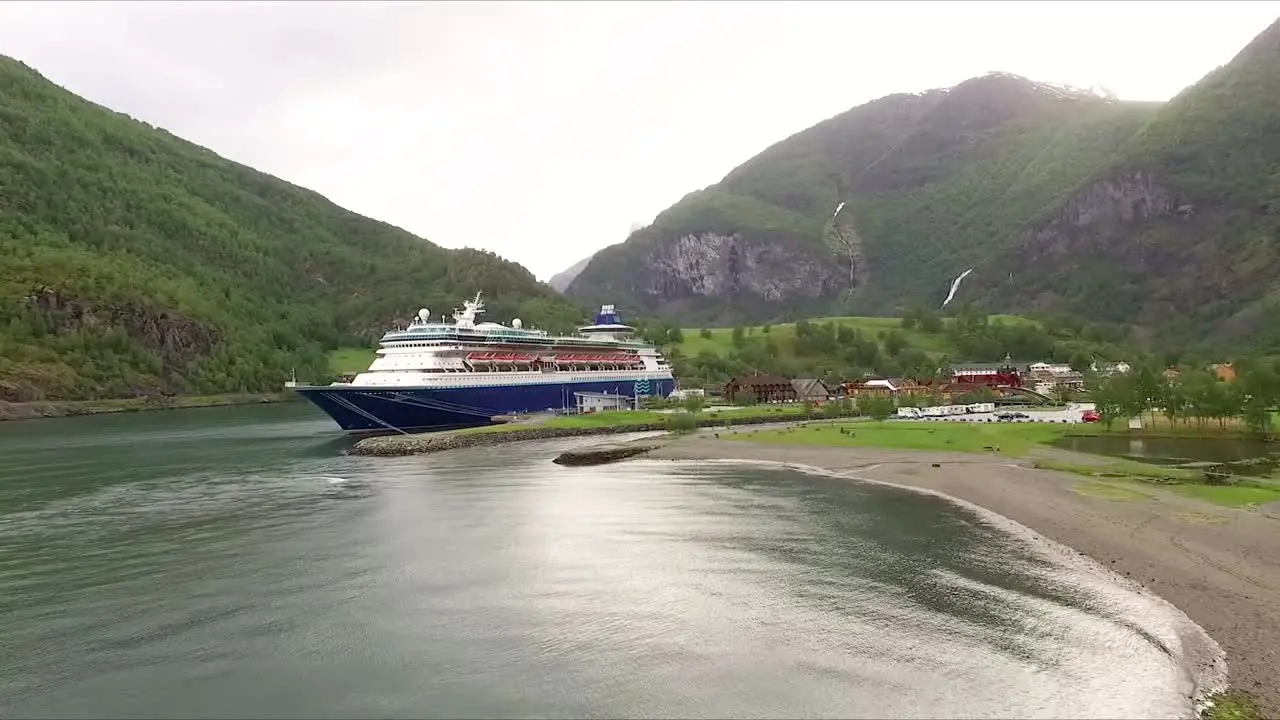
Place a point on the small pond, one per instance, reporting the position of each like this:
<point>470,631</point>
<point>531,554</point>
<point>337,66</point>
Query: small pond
<point>1172,451</point>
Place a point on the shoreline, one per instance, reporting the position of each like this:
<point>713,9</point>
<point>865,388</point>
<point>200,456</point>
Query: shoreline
<point>1219,567</point>
<point>14,412</point>
<point>390,445</point>
<point>523,431</point>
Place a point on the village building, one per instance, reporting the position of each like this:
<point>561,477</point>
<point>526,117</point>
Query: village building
<point>602,401</point>
<point>1107,369</point>
<point>763,388</point>
<point>1001,374</point>
<point>1049,368</point>
<point>1051,377</point>
<point>1223,371</point>
<point>589,402</point>
<point>1069,381</point>
<point>884,387</point>
<point>811,390</point>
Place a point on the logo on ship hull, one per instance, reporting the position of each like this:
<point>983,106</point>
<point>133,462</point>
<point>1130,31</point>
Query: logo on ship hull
<point>642,387</point>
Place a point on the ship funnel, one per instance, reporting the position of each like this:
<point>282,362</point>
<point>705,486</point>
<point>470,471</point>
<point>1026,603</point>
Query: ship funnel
<point>608,315</point>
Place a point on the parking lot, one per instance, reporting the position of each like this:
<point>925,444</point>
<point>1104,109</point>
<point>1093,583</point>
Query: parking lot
<point>1069,414</point>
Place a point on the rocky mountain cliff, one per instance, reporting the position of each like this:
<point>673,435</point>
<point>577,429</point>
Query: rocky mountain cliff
<point>1061,199</point>
<point>133,262</point>
<point>1181,231</point>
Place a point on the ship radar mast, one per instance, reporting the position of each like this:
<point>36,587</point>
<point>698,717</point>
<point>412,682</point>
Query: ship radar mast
<point>466,317</point>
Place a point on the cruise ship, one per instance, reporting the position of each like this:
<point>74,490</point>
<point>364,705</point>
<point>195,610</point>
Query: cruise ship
<point>438,375</point>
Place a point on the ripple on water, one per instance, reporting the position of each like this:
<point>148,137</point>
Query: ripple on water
<point>285,581</point>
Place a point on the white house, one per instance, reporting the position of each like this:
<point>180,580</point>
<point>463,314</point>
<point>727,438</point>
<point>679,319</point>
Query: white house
<point>1106,368</point>
<point>589,402</point>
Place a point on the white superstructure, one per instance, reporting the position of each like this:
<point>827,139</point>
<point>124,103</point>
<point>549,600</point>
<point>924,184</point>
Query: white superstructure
<point>466,353</point>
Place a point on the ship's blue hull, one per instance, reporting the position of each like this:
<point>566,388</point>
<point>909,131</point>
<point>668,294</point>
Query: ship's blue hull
<point>419,409</point>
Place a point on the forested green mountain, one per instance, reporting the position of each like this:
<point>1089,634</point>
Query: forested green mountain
<point>133,261</point>
<point>1158,215</point>
<point>1181,232</point>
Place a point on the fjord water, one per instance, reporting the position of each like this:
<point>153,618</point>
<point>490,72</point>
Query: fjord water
<point>234,563</point>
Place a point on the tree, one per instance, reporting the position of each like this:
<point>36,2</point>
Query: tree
<point>705,334</point>
<point>894,343</point>
<point>694,403</point>
<point>738,336</point>
<point>877,407</point>
<point>981,394</point>
<point>838,408</point>
<point>1112,398</point>
<point>1173,401</point>
<point>931,322</point>
<point>1199,395</point>
<point>675,335</point>
<point>1147,387</point>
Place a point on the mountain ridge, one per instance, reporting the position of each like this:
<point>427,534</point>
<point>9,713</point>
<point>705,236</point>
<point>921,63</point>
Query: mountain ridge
<point>138,263</point>
<point>969,176</point>
<point>561,280</point>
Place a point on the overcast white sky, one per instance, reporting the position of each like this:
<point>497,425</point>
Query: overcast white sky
<point>545,131</point>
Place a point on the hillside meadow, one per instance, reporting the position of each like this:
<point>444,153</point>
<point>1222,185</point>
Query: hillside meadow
<point>936,345</point>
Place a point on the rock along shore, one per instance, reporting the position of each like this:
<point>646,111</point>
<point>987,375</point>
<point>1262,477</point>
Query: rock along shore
<point>423,443</point>
<point>603,454</point>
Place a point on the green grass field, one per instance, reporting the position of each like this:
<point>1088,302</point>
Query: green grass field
<point>721,340</point>
<point>623,418</point>
<point>1110,478</point>
<point>350,360</point>
<point>1013,439</point>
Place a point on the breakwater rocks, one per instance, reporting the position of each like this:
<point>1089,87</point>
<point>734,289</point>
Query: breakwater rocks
<point>422,443</point>
<point>602,454</point>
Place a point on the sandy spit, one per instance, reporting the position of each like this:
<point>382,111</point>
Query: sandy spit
<point>1219,566</point>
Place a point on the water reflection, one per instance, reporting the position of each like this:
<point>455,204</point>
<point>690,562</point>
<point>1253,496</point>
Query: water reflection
<point>1172,450</point>
<point>245,570</point>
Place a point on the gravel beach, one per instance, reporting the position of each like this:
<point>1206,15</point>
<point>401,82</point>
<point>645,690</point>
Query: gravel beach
<point>1220,566</point>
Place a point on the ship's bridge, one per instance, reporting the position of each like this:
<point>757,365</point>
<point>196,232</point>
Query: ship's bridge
<point>607,326</point>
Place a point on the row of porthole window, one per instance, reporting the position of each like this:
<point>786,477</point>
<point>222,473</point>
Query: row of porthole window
<point>596,378</point>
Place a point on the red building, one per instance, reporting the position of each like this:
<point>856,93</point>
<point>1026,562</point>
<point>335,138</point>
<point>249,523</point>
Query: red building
<point>1002,374</point>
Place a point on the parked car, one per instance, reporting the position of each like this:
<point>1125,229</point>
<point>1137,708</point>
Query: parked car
<point>1089,416</point>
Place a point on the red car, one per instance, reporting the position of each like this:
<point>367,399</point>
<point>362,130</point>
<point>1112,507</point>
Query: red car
<point>1089,416</point>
